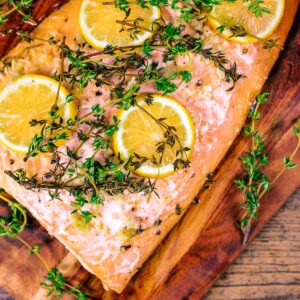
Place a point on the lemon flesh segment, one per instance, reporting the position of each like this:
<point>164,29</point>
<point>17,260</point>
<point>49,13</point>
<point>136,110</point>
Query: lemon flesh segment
<point>97,21</point>
<point>238,13</point>
<point>139,133</point>
<point>24,99</point>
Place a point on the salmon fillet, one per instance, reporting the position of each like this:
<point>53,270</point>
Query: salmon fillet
<point>218,115</point>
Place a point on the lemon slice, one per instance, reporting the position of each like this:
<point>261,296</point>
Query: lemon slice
<point>24,99</point>
<point>97,21</point>
<point>238,13</point>
<point>139,133</point>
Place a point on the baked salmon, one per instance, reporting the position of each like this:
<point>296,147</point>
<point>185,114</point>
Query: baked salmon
<point>218,113</point>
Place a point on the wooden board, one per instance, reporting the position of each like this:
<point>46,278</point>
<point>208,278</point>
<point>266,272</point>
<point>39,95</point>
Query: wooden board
<point>270,266</point>
<point>203,244</point>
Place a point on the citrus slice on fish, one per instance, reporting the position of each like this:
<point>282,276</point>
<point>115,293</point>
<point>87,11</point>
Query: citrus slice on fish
<point>27,98</point>
<point>141,132</point>
<point>260,21</point>
<point>98,21</point>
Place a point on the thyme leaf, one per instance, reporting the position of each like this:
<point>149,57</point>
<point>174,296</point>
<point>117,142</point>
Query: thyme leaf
<point>255,181</point>
<point>20,6</point>
<point>11,226</point>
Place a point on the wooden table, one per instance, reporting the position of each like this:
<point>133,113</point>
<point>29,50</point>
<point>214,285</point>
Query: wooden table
<point>269,268</point>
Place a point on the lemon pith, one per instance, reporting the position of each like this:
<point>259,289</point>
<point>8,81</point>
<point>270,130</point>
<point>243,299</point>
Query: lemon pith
<point>97,22</point>
<point>138,133</point>
<point>26,98</point>
<point>238,13</point>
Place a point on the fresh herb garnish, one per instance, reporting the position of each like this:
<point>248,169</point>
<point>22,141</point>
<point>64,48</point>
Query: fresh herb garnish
<point>11,226</point>
<point>255,181</point>
<point>7,7</point>
<point>256,6</point>
<point>240,31</point>
<point>57,286</point>
<point>14,222</point>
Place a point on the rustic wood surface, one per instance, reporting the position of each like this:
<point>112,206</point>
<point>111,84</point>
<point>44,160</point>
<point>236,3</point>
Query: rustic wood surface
<point>217,245</point>
<point>270,267</point>
<point>41,9</point>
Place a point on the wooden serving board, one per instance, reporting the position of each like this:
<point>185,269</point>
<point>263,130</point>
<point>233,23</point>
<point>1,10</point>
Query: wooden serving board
<point>204,243</point>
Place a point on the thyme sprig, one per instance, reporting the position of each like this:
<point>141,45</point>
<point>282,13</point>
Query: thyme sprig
<point>170,138</point>
<point>238,30</point>
<point>16,221</point>
<point>124,5</point>
<point>84,69</point>
<point>192,9</point>
<point>11,226</point>
<point>57,286</point>
<point>20,6</point>
<point>171,40</point>
<point>257,7</point>
<point>255,183</point>
<point>177,43</point>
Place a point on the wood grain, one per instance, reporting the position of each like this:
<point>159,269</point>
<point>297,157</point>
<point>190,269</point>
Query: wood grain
<point>185,276</point>
<point>14,256</point>
<point>41,10</point>
<point>270,267</point>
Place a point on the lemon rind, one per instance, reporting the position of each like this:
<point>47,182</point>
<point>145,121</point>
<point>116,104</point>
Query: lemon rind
<point>146,170</point>
<point>100,45</point>
<point>70,110</point>
<point>248,39</point>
